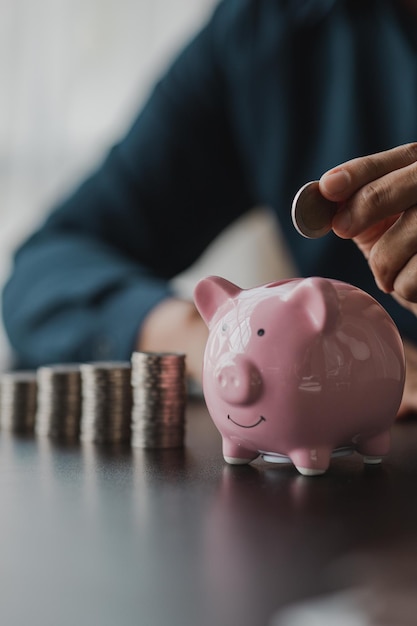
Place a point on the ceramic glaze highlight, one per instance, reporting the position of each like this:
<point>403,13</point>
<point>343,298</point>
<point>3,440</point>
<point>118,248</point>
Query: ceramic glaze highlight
<point>300,370</point>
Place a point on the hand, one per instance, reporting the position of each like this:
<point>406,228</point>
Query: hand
<point>377,198</point>
<point>176,326</point>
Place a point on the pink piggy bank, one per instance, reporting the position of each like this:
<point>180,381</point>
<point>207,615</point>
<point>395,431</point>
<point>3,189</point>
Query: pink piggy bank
<point>300,370</point>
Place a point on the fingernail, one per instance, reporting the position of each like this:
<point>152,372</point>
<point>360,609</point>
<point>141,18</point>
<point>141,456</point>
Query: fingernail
<point>342,221</point>
<point>336,183</point>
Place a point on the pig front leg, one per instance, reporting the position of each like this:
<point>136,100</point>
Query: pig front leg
<point>236,454</point>
<point>311,461</point>
<point>374,448</point>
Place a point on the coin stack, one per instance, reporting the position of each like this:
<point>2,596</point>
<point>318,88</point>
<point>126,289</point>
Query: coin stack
<point>59,401</point>
<point>18,399</point>
<point>107,401</point>
<point>159,397</point>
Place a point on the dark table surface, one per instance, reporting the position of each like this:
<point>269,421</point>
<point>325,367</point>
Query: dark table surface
<point>118,536</point>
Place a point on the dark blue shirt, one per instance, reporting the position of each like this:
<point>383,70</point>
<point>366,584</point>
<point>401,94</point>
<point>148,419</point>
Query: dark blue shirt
<point>269,95</point>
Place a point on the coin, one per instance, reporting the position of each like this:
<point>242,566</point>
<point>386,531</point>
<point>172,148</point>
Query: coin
<point>59,401</point>
<point>106,401</point>
<point>159,398</point>
<point>18,401</point>
<point>312,214</point>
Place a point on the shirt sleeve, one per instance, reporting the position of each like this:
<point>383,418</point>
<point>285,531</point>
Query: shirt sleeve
<point>83,283</point>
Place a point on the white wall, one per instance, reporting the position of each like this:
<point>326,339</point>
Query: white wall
<point>72,74</point>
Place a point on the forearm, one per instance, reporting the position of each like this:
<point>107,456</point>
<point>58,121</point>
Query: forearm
<point>73,299</point>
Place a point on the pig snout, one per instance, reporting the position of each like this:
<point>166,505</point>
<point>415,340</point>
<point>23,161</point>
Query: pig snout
<point>238,381</point>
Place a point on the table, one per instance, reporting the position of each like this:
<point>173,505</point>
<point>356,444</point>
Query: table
<point>105,535</point>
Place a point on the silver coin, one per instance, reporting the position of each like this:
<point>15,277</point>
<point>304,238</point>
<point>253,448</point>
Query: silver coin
<point>18,401</point>
<point>106,401</point>
<point>159,399</point>
<point>59,401</point>
<point>312,214</point>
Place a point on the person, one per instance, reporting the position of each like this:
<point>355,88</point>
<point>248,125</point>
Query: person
<point>268,95</point>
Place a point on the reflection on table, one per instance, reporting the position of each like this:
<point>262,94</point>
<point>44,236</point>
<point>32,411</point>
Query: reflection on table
<point>105,535</point>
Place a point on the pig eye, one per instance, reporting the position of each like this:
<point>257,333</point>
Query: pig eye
<point>224,328</point>
<point>261,332</point>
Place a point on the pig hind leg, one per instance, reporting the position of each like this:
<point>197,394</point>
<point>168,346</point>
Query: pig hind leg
<point>373,448</point>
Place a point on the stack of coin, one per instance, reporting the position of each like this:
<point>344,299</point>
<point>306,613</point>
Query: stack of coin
<point>18,399</point>
<point>59,401</point>
<point>159,397</point>
<point>107,401</point>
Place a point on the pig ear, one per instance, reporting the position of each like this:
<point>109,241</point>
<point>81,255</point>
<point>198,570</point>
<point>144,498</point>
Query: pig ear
<point>318,298</point>
<point>210,293</point>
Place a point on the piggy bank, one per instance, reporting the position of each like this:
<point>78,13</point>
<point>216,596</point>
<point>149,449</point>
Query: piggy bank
<point>299,371</point>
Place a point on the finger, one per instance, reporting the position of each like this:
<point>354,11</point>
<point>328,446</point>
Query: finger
<point>383,198</point>
<point>411,306</point>
<point>410,352</point>
<point>342,181</point>
<point>392,250</point>
<point>405,283</point>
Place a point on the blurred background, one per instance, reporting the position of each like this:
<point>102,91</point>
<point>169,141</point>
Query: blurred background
<point>73,74</point>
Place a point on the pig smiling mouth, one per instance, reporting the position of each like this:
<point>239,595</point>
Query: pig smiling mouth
<point>261,419</point>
